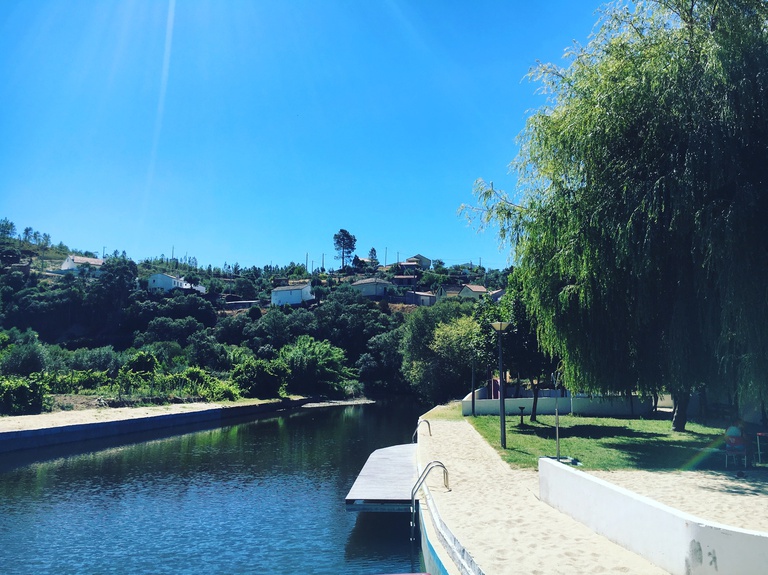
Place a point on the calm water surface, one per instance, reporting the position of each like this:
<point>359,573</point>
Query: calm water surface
<point>265,496</point>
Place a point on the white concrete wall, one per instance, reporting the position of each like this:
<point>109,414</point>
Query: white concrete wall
<point>675,541</point>
<point>609,406</point>
<point>546,406</point>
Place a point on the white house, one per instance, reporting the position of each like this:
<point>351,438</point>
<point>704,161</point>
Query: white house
<point>166,283</point>
<point>292,295</point>
<point>472,291</point>
<point>73,263</point>
<point>372,287</point>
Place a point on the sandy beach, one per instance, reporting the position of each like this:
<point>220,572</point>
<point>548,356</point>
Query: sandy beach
<point>495,512</point>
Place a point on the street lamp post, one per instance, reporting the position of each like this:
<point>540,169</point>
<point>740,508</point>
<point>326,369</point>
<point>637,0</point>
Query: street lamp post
<point>500,327</point>
<point>557,416</point>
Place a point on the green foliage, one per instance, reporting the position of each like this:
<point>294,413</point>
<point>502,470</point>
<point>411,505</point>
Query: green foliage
<point>317,368</point>
<point>21,396</point>
<point>246,289</point>
<point>198,382</point>
<point>379,367</point>
<point>457,345</point>
<point>76,381</point>
<point>21,354</point>
<point>261,378</point>
<point>167,329</point>
<point>349,321</point>
<point>644,207</point>
<point>344,243</point>
<point>104,359</point>
<point>205,352</point>
<point>129,382</point>
<point>143,362</point>
<point>423,362</point>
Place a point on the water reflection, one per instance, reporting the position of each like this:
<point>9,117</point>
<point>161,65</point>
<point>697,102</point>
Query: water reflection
<point>261,496</point>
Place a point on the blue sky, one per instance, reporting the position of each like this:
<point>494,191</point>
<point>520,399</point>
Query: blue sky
<point>252,131</point>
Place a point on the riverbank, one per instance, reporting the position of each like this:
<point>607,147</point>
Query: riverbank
<point>44,430</point>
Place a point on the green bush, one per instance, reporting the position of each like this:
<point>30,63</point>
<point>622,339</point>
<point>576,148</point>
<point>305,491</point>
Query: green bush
<point>143,362</point>
<point>21,396</point>
<point>260,377</point>
<point>197,383</point>
<point>22,359</point>
<point>317,368</point>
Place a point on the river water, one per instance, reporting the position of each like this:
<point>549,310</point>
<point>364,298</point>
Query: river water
<point>264,496</point>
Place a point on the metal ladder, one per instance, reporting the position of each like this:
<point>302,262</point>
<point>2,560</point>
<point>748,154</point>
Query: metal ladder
<point>430,466</point>
<point>415,431</point>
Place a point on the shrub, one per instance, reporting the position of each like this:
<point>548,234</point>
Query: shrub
<point>143,362</point>
<point>196,382</point>
<point>23,359</point>
<point>317,368</point>
<point>260,377</point>
<point>21,396</point>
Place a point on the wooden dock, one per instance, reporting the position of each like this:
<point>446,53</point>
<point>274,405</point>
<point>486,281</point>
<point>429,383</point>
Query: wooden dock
<point>386,480</point>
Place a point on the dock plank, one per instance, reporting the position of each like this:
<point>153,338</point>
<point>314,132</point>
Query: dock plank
<point>386,480</point>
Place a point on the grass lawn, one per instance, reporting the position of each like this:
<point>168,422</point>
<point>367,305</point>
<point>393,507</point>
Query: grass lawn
<point>605,443</point>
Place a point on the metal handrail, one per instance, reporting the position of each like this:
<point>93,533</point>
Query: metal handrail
<point>430,466</point>
<point>415,431</point>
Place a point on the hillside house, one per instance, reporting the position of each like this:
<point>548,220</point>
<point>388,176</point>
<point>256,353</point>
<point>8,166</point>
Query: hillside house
<point>405,280</point>
<point>472,291</point>
<point>422,262</point>
<point>292,294</point>
<point>448,290</point>
<point>372,287</point>
<point>420,298</point>
<point>75,263</point>
<point>165,283</point>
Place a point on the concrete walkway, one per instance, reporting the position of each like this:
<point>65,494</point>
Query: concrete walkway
<point>494,512</point>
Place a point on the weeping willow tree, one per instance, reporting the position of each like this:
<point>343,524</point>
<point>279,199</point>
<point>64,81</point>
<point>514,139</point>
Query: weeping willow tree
<point>641,239</point>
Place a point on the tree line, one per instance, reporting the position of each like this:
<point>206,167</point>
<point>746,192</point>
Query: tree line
<point>105,334</point>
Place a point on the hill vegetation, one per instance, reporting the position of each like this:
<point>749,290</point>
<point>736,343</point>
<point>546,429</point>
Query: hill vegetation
<point>102,332</point>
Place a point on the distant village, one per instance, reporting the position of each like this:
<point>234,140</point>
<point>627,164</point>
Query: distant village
<point>395,283</point>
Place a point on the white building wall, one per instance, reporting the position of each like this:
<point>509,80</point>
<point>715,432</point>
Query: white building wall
<point>294,296</point>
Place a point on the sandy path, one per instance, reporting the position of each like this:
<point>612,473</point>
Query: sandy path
<point>495,512</point>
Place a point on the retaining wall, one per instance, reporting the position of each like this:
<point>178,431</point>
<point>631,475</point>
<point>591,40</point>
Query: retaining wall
<point>675,541</point>
<point>51,436</point>
<point>586,406</point>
